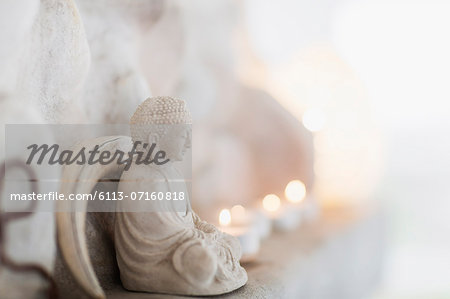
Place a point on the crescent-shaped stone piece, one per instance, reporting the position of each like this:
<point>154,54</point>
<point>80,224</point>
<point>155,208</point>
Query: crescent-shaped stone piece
<point>71,220</point>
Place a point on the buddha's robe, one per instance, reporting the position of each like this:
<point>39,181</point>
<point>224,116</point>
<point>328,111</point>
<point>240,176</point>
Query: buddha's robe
<point>169,250</point>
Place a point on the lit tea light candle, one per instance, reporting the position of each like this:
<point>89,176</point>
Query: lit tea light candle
<point>253,218</point>
<point>295,191</point>
<point>239,215</point>
<point>225,218</point>
<point>271,203</point>
<point>284,216</point>
<point>248,237</point>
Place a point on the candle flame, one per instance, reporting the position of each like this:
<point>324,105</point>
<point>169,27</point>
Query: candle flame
<point>271,202</point>
<point>295,191</point>
<point>225,217</point>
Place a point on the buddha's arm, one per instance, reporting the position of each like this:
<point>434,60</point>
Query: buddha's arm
<point>225,240</point>
<point>203,225</point>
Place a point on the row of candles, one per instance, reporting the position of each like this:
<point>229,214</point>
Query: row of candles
<point>251,225</point>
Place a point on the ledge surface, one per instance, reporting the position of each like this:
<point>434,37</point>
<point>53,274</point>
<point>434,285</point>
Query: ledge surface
<point>339,256</point>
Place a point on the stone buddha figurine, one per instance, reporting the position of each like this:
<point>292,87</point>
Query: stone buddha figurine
<point>169,249</point>
<point>161,246</point>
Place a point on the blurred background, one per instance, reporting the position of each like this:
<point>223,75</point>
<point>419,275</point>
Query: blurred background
<point>398,53</point>
<point>399,50</point>
<point>370,80</point>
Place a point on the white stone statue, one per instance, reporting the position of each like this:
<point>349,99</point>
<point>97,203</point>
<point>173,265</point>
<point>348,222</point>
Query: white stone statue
<point>165,249</point>
<point>170,251</point>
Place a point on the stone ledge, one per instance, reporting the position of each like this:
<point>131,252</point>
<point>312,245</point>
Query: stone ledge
<point>339,256</point>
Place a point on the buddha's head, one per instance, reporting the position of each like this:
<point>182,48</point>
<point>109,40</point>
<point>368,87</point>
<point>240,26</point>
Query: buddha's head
<point>165,122</point>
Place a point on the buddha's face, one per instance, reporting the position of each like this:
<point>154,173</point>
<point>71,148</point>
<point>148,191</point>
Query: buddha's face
<point>176,142</point>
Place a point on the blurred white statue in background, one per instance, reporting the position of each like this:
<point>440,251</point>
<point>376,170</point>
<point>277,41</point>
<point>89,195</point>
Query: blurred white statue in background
<point>44,60</point>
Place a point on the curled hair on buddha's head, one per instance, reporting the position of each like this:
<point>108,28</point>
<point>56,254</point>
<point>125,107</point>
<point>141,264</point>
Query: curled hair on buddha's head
<point>155,115</point>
